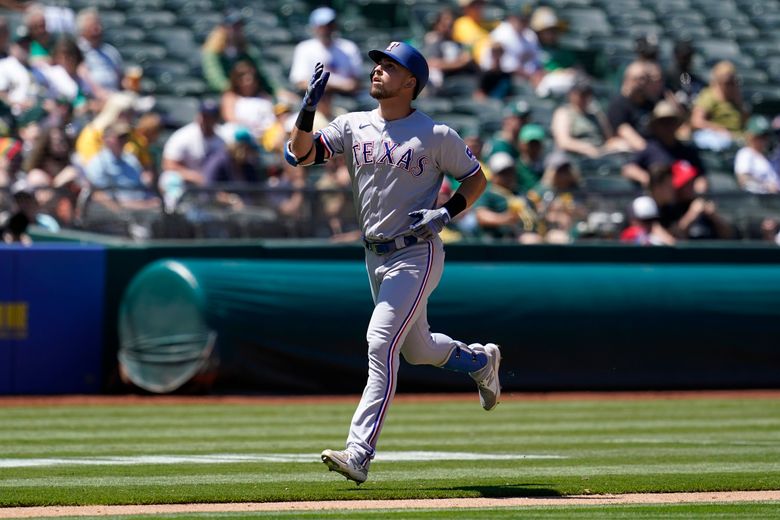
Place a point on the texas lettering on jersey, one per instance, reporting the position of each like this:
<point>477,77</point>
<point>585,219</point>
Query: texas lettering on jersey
<point>389,153</point>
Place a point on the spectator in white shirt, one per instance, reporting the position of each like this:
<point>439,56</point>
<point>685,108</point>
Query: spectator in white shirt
<point>751,165</point>
<point>186,151</point>
<point>341,57</point>
<point>20,84</point>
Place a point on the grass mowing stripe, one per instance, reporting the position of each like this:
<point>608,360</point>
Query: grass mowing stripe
<point>389,473</point>
<point>614,447</point>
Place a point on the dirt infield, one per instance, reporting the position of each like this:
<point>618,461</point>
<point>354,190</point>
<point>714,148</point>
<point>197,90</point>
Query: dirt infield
<point>344,505</point>
<point>8,401</point>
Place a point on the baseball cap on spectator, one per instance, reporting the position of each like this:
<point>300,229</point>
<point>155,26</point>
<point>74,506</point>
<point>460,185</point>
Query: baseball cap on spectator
<point>242,136</point>
<point>322,16</point>
<point>683,172</point>
<point>22,35</point>
<point>646,46</point>
<point>758,125</point>
<point>557,160</point>
<point>644,208</point>
<point>119,129</point>
<point>500,161</point>
<point>519,109</point>
<point>544,18</point>
<point>581,84</point>
<point>209,107</point>
<point>532,132</point>
<point>665,110</point>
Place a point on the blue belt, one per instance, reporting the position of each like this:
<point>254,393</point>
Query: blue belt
<point>390,246</point>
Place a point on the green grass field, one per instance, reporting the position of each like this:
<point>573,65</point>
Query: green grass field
<point>60,455</point>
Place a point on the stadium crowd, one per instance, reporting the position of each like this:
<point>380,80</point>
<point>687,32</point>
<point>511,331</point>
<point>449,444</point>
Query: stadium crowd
<point>80,133</point>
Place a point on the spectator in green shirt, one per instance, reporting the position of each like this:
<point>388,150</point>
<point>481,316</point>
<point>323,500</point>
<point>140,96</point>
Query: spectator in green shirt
<point>719,113</point>
<point>500,213</point>
<point>559,64</point>
<point>225,46</point>
<point>42,43</point>
<point>505,140</point>
<point>530,164</point>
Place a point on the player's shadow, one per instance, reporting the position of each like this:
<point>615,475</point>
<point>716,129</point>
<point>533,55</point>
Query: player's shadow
<point>526,489</point>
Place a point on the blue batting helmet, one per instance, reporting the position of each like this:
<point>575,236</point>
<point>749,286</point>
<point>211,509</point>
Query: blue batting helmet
<point>408,57</point>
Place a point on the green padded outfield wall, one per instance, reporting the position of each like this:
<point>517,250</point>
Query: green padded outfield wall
<point>299,326</point>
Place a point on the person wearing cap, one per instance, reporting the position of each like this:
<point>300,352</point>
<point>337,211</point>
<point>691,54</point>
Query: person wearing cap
<point>238,162</point>
<point>446,57</point>
<point>521,55</point>
<point>340,56</point>
<point>227,45</point>
<point>755,173</point>
<point>719,114</point>
<point>397,158</point>
<point>559,64</point>
<point>682,212</point>
<point>514,118</point>
<point>20,83</point>
<point>530,163</point>
<point>187,149</point>
<point>500,212</point>
<point>118,107</point>
<point>578,127</point>
<point>557,198</point>
<point>645,228</point>
<point>115,169</point>
<point>664,148</point>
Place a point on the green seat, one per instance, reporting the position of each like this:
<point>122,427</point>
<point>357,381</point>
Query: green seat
<point>152,20</point>
<point>722,182</point>
<point>178,110</point>
<point>588,21</point>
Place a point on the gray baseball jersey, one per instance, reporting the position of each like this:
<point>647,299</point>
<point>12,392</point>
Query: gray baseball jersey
<point>397,167</point>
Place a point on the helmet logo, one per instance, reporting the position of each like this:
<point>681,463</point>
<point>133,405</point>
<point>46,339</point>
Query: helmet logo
<point>392,46</point>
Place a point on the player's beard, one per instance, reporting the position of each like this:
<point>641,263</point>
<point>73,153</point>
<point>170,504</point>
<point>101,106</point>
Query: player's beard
<point>378,91</point>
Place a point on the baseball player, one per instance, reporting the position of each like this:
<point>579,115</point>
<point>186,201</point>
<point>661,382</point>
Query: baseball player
<point>397,157</point>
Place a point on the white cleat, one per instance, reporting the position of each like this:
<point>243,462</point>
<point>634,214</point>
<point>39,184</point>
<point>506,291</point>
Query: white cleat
<point>344,462</point>
<point>487,377</point>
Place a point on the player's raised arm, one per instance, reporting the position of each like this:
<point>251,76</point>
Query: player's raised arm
<point>301,148</point>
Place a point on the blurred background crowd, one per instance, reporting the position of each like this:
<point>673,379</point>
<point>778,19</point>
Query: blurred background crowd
<point>649,122</point>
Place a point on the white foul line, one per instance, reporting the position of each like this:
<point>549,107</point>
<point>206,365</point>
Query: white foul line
<point>228,458</point>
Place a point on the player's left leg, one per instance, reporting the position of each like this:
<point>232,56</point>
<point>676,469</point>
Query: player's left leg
<point>481,362</point>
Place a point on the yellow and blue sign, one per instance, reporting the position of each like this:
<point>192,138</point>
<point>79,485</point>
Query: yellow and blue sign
<point>13,320</point>
<point>51,318</point>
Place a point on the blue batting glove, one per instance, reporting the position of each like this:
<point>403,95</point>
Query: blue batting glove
<point>316,88</point>
<point>429,222</point>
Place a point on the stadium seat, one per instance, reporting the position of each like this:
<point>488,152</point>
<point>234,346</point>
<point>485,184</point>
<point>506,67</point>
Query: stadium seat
<point>178,110</point>
<point>722,182</point>
<point>142,53</point>
<point>152,20</point>
<point>587,21</point>
<point>121,36</point>
<point>610,184</point>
